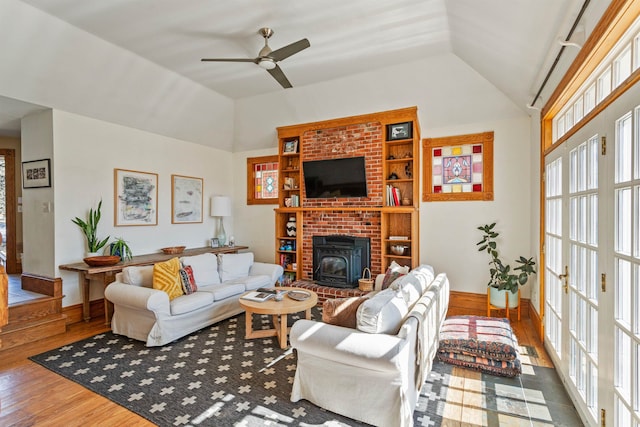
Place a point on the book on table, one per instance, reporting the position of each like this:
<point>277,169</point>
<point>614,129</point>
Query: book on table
<point>258,296</point>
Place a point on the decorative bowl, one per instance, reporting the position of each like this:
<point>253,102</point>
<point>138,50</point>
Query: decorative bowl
<point>102,260</point>
<point>172,250</point>
<point>398,249</point>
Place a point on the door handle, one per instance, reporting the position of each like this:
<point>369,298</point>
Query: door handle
<point>565,279</point>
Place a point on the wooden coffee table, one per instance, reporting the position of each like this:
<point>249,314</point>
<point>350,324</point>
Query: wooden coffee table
<point>279,311</point>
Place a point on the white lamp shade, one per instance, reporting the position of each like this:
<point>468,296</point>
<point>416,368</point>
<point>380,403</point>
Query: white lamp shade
<point>220,206</point>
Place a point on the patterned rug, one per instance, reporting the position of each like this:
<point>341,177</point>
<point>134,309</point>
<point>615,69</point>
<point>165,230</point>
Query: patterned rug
<point>214,377</point>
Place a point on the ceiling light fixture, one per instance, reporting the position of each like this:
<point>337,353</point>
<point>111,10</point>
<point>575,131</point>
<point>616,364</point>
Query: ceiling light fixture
<point>267,63</point>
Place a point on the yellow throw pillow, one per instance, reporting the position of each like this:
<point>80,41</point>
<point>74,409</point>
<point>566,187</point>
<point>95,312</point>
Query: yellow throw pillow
<point>166,277</point>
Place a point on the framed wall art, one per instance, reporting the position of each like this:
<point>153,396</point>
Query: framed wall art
<point>36,173</point>
<point>290,147</point>
<point>186,199</point>
<point>136,198</point>
<point>399,131</point>
<point>458,168</point>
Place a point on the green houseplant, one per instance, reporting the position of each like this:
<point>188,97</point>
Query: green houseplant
<point>502,276</point>
<point>90,228</point>
<point>121,248</point>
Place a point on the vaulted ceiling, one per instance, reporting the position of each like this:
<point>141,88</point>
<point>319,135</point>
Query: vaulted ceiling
<point>511,43</point>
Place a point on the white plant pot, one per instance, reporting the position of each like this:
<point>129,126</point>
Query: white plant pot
<point>498,298</point>
<point>92,254</point>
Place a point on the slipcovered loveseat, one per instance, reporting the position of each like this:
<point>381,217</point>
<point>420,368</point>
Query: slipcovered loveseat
<point>159,316</point>
<point>374,372</point>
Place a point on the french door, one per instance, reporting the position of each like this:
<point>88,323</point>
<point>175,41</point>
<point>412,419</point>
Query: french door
<point>592,263</point>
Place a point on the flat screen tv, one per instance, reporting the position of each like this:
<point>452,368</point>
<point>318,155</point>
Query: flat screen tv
<point>335,178</point>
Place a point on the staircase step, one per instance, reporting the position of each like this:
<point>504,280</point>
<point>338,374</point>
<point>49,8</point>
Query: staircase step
<point>34,309</point>
<point>15,334</point>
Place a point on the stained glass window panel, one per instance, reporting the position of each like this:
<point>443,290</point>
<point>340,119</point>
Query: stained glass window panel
<point>458,167</point>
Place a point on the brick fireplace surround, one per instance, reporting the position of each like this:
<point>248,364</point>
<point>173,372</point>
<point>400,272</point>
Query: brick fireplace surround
<point>354,140</point>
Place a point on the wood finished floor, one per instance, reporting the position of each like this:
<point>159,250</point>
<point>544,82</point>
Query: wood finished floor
<point>31,395</point>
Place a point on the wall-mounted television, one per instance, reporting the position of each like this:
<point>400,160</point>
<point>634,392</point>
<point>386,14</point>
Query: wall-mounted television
<point>335,178</point>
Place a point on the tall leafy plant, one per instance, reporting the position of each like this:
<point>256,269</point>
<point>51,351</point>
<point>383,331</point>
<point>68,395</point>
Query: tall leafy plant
<point>501,275</point>
<point>90,228</point>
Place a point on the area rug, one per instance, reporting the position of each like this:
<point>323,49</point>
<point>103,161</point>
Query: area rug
<point>215,377</point>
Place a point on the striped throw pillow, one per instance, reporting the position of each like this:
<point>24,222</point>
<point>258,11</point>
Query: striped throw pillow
<point>188,282</point>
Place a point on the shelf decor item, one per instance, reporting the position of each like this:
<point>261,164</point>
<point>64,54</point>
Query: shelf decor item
<point>290,147</point>
<point>90,229</point>
<point>399,131</point>
<point>173,250</point>
<point>121,248</point>
<point>221,207</point>
<point>291,227</point>
<point>101,260</point>
<point>398,249</point>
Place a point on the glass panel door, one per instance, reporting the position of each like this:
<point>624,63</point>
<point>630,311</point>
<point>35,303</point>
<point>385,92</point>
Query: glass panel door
<point>572,264</point>
<point>582,290</point>
<point>626,268</point>
<point>553,253</point>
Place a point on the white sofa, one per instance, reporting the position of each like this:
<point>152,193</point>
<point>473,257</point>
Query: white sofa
<point>374,373</point>
<point>147,314</point>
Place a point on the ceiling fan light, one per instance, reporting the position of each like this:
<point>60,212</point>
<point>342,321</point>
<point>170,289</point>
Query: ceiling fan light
<point>267,63</point>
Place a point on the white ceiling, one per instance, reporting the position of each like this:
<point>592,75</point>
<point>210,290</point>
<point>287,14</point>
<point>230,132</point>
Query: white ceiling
<point>511,43</point>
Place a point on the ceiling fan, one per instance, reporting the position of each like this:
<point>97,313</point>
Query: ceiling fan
<point>268,58</point>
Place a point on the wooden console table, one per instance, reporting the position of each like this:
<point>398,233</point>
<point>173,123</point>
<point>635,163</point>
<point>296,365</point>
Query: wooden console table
<point>107,274</point>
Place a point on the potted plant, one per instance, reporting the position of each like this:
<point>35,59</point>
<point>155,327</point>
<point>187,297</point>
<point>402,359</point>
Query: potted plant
<point>502,278</point>
<point>89,228</point>
<point>121,248</point>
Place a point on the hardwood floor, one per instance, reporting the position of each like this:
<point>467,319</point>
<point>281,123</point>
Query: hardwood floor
<point>32,395</point>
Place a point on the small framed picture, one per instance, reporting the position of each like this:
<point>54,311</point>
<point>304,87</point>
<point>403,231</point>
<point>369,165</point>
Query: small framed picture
<point>36,174</point>
<point>215,243</point>
<point>290,146</point>
<point>399,131</point>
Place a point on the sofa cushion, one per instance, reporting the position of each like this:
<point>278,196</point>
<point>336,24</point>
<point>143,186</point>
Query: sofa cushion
<point>234,266</point>
<point>383,313</point>
<point>188,282</point>
<point>394,271</point>
<point>251,283</point>
<point>223,290</point>
<point>166,277</point>
<point>138,276</point>
<point>342,311</point>
<point>205,268</point>
<point>191,302</point>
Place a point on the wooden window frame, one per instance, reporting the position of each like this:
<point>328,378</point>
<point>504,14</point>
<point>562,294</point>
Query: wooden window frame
<point>251,162</point>
<point>428,144</point>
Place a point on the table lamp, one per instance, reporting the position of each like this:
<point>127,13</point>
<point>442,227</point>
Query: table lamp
<point>221,207</point>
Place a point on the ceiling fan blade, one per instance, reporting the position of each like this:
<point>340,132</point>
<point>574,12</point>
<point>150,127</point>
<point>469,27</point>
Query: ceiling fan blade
<point>227,60</point>
<point>280,77</point>
<point>287,51</point>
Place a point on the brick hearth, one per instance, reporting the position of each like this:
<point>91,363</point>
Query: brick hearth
<point>328,292</point>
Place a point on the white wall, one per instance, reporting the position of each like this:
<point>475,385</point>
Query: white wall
<point>49,62</point>
<point>38,232</point>
<point>255,223</point>
<point>452,99</point>
<point>86,152</point>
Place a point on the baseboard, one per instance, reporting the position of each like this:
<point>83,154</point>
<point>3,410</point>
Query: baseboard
<point>74,312</point>
<point>537,324</point>
<point>476,304</point>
